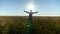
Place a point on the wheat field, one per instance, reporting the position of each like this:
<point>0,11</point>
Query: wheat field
<point>41,25</point>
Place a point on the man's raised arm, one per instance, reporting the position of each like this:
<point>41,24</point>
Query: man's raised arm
<point>34,12</point>
<point>26,11</point>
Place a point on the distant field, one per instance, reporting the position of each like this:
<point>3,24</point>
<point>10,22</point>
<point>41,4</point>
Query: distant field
<point>41,25</point>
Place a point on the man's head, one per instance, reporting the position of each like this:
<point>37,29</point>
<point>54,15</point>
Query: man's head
<point>30,10</point>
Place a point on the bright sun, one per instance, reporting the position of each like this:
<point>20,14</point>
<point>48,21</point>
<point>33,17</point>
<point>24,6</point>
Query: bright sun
<point>30,7</point>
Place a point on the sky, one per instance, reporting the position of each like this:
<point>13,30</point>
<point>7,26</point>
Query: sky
<point>17,7</point>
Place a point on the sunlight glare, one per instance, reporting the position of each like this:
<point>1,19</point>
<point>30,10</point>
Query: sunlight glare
<point>30,7</point>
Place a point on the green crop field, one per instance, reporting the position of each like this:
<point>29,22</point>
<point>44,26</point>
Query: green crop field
<point>40,25</point>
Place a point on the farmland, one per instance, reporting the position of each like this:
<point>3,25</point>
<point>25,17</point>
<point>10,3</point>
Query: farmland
<point>41,25</point>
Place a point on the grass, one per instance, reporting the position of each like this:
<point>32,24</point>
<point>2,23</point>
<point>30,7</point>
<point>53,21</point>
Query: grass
<point>41,25</point>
